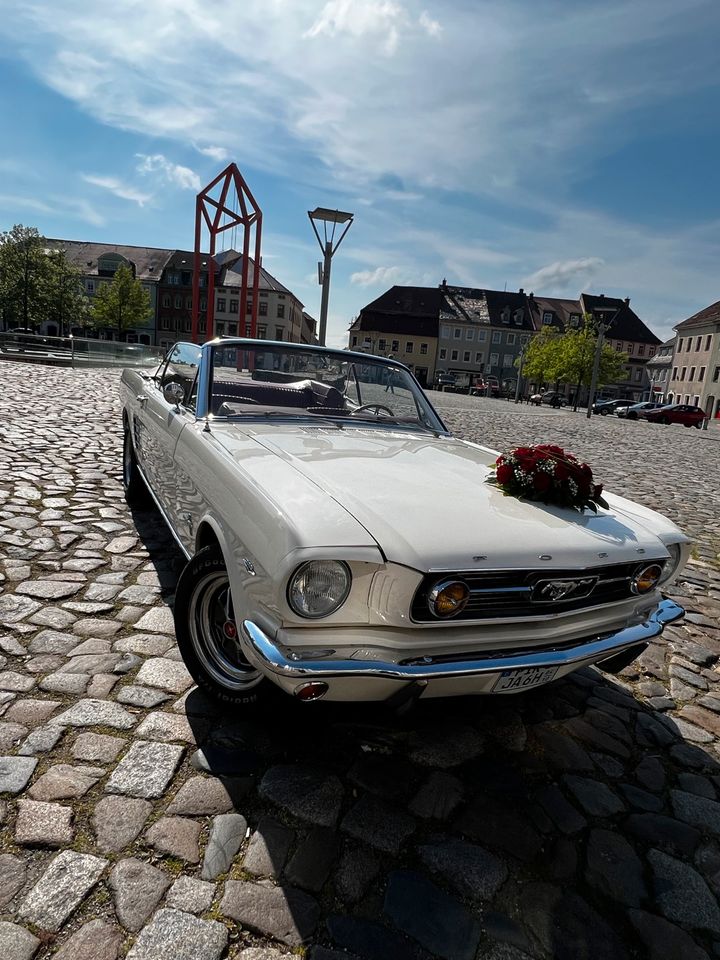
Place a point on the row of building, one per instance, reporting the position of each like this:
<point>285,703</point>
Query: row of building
<point>167,276</point>
<point>477,334</point>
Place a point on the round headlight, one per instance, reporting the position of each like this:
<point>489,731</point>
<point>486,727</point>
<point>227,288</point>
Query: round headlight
<point>319,588</point>
<point>647,578</point>
<point>671,565</point>
<point>448,598</point>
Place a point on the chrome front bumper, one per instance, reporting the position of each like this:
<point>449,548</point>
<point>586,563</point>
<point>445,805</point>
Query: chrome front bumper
<point>288,668</point>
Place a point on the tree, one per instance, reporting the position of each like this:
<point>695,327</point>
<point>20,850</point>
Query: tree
<point>67,303</point>
<point>542,356</point>
<point>122,304</point>
<point>577,356</point>
<point>23,277</point>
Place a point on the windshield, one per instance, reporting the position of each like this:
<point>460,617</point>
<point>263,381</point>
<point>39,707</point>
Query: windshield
<point>275,380</point>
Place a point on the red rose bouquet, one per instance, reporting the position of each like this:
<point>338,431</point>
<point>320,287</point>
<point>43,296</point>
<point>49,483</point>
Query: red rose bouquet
<point>547,474</point>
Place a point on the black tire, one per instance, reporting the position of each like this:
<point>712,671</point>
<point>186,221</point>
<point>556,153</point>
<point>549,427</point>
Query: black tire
<point>136,491</point>
<point>665,420</point>
<point>213,657</point>
<point>632,416</point>
<point>699,424</point>
<point>603,413</point>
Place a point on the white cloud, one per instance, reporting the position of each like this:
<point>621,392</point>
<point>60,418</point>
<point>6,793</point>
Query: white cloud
<point>564,275</point>
<point>358,19</point>
<point>432,27</point>
<point>173,173</point>
<point>119,188</point>
<point>215,153</point>
<point>385,276</point>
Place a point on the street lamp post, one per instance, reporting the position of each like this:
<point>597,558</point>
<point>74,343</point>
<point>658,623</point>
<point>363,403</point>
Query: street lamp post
<point>520,373</point>
<point>329,246</point>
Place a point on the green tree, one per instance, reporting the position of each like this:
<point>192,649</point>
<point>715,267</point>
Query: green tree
<point>577,356</point>
<point>67,303</point>
<point>23,277</point>
<point>542,356</point>
<point>122,304</point>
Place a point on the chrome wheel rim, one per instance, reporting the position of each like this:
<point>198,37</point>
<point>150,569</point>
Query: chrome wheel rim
<point>212,625</point>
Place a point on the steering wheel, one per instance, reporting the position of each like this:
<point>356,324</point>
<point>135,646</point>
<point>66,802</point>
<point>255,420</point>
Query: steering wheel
<point>377,407</point>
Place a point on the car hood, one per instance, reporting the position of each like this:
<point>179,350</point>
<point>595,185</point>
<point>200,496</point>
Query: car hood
<point>426,503</point>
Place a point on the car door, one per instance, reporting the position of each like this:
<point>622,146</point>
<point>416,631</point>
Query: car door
<point>162,421</point>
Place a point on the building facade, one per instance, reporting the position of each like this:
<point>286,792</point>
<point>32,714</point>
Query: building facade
<point>695,374</point>
<point>659,370</point>
<point>98,263</point>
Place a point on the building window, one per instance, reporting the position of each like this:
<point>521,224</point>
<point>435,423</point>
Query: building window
<point>90,286</point>
<point>637,374</point>
<point>395,346</point>
<point>423,349</point>
<point>701,373</point>
<point>166,300</point>
<point>281,311</point>
<point>262,333</point>
<point>478,358</point>
<point>684,371</point>
<point>698,343</point>
<point>457,333</point>
<point>220,329</point>
<point>443,353</point>
<point>651,352</point>
<point>466,356</point>
<point>354,342</point>
<point>618,345</point>
<point>680,343</point>
<point>409,346</point>
<point>232,329</point>
<point>174,279</point>
<point>445,332</point>
<point>278,333</point>
<point>234,307</point>
<point>203,303</point>
<point>508,360</point>
<point>494,359</point>
<point>574,319</point>
<point>454,355</point>
<point>641,350</point>
<point>547,317</point>
<point>178,303</point>
<point>692,373</point>
<point>674,373</point>
<point>262,311</point>
<point>482,335</point>
<point>716,375</point>
<point>496,336</point>
<point>382,346</point>
<point>708,341</point>
<point>222,303</point>
<point>263,293</point>
<point>511,339</point>
<point>469,334</point>
<point>164,323</point>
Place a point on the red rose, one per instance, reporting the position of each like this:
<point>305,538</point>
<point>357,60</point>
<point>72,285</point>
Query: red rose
<point>504,473</point>
<point>551,448</point>
<point>561,471</point>
<point>586,471</point>
<point>523,451</point>
<point>542,481</point>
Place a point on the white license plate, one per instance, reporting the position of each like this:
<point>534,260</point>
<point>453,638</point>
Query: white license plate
<point>512,680</point>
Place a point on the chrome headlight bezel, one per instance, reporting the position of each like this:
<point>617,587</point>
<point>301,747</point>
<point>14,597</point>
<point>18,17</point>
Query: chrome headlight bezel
<point>671,565</point>
<point>296,590</point>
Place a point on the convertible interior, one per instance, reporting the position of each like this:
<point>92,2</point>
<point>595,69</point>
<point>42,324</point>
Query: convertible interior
<point>311,395</point>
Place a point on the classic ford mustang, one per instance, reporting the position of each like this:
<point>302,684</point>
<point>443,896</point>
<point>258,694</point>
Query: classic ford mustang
<point>342,544</point>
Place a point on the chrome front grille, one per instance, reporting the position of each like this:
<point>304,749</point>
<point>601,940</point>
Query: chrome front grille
<point>531,593</point>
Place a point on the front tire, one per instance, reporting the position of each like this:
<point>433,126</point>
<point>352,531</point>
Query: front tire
<point>136,491</point>
<point>207,633</point>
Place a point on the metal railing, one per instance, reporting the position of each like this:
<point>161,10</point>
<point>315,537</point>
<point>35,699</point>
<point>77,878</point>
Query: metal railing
<point>76,351</point>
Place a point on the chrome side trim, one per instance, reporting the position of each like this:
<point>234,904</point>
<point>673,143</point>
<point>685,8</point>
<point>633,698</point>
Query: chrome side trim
<point>164,515</point>
<point>269,657</point>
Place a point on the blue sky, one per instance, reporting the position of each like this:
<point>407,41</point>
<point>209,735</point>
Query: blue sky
<point>557,145</point>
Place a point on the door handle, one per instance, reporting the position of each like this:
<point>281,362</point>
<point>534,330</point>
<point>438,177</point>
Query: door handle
<point>142,398</point>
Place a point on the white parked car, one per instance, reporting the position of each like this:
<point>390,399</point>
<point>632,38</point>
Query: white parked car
<point>342,544</point>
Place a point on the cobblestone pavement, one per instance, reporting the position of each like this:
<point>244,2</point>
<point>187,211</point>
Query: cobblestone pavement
<point>577,821</point>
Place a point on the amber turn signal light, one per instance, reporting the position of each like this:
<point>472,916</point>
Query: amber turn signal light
<point>647,578</point>
<point>448,598</point>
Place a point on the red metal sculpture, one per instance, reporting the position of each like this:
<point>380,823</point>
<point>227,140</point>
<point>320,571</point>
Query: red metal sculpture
<point>219,217</point>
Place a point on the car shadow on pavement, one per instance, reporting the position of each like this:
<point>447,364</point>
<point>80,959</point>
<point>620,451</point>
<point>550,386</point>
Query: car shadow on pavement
<point>573,822</point>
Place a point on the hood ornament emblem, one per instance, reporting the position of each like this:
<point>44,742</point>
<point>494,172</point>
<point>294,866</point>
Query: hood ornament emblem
<point>550,591</point>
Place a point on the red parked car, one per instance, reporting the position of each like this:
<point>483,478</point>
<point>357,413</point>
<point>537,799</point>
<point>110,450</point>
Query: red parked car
<point>685,413</point>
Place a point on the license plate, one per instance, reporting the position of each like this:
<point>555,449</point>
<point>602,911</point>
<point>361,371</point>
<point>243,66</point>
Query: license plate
<point>513,680</point>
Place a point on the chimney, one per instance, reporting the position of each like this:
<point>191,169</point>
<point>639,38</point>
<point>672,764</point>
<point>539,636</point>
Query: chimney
<point>521,290</point>
<point>627,301</point>
<point>531,296</point>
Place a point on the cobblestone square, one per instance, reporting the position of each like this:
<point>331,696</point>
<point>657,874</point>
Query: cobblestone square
<point>578,821</point>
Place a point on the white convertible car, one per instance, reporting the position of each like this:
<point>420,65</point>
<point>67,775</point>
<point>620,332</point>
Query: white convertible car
<point>342,544</point>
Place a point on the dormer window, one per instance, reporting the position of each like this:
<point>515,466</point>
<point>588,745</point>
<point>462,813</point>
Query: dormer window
<point>574,319</point>
<point>547,317</point>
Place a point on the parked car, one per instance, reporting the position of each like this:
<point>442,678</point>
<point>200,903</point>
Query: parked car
<point>687,414</point>
<point>553,398</point>
<point>341,543</point>
<point>444,381</point>
<point>604,407</point>
<point>485,387</point>
<point>633,411</point>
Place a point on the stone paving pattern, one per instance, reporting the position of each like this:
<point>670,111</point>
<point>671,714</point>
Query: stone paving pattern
<point>138,820</point>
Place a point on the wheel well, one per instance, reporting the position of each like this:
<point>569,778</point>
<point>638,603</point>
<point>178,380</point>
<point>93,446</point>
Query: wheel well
<point>206,537</point>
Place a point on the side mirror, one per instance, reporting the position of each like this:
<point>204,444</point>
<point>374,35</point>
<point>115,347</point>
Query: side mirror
<point>174,393</point>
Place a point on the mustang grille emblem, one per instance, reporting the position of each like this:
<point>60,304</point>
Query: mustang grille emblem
<point>548,591</point>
